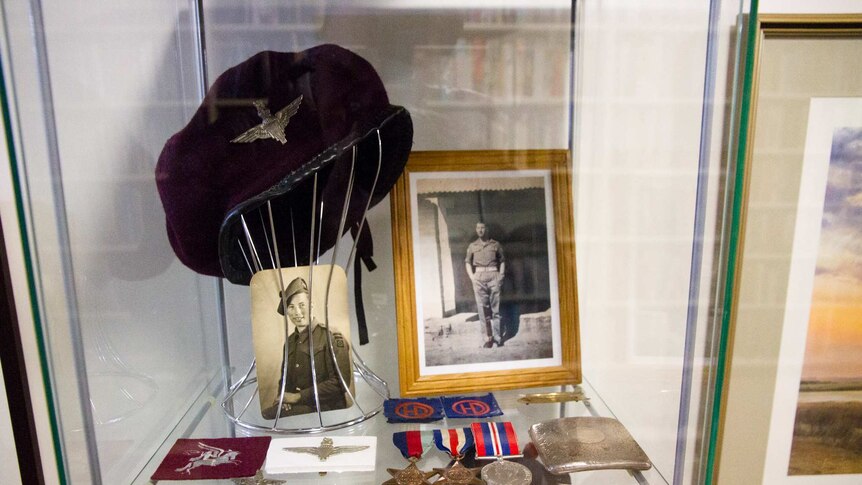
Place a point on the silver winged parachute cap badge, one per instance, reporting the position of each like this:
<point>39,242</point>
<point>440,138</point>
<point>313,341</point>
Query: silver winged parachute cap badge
<point>271,126</point>
<point>326,449</point>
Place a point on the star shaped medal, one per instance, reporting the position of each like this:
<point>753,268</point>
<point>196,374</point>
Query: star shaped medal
<point>458,474</point>
<point>257,479</point>
<point>412,444</point>
<point>498,441</point>
<point>455,442</point>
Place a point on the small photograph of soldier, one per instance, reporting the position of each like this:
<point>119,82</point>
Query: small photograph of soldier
<point>291,382</point>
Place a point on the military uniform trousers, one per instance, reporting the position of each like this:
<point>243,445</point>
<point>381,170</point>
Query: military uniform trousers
<point>486,287</point>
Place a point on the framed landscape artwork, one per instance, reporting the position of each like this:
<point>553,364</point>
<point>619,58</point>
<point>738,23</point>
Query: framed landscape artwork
<point>817,408</point>
<point>792,405</point>
<point>485,271</point>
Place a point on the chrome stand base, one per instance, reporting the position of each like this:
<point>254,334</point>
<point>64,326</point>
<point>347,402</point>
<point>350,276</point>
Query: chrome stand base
<point>242,394</point>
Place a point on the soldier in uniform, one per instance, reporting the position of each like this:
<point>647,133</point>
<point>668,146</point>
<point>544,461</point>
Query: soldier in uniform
<point>486,266</point>
<point>299,390</point>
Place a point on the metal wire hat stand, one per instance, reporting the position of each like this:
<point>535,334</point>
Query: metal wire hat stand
<point>242,393</point>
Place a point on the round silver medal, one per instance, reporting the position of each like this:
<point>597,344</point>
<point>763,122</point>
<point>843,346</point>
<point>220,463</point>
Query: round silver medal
<point>506,473</point>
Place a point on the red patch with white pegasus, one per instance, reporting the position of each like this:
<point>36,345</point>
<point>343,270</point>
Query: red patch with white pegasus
<point>213,458</point>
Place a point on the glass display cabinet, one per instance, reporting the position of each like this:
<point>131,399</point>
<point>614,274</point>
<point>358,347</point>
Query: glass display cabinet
<point>135,350</point>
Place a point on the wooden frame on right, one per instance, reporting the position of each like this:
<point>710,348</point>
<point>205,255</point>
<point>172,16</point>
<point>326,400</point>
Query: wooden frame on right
<point>483,244</point>
<point>792,400</point>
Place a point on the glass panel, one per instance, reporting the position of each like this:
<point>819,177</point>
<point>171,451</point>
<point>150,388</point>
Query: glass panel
<point>473,77</point>
<point>650,135</point>
<point>636,91</point>
<point>130,334</point>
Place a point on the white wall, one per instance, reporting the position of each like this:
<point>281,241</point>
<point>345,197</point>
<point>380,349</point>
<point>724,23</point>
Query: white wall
<point>802,6</point>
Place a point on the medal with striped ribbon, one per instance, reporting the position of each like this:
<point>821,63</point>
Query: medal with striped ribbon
<point>495,440</point>
<point>498,441</point>
<point>455,442</point>
<point>412,445</point>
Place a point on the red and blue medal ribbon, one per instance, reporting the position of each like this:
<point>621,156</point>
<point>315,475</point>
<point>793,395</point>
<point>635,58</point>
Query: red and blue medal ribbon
<point>455,441</point>
<point>412,444</point>
<point>495,440</point>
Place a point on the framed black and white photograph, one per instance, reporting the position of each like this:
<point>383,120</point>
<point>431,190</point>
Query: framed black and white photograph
<point>485,271</point>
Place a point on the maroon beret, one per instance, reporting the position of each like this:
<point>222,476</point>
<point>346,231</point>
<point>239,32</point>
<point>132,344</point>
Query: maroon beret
<point>207,182</point>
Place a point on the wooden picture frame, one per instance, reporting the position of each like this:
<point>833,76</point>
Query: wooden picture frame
<point>524,199</point>
<point>805,85</point>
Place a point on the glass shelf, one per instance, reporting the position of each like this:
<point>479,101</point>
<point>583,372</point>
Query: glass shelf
<point>205,419</point>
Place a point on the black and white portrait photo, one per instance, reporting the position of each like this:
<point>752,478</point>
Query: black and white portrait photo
<point>291,337</point>
<point>485,270</point>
